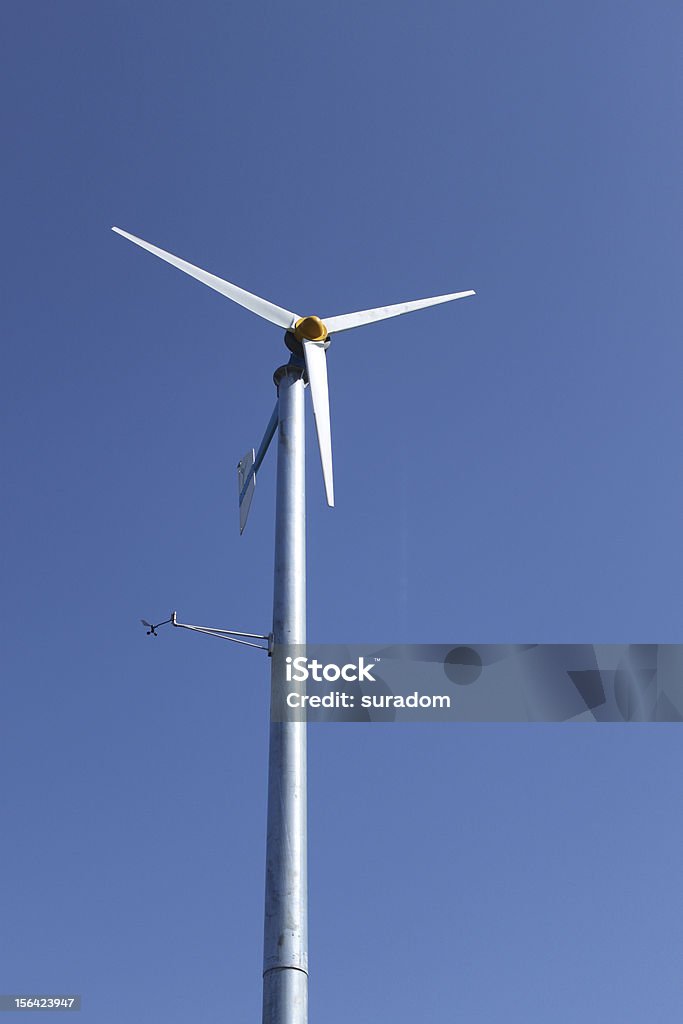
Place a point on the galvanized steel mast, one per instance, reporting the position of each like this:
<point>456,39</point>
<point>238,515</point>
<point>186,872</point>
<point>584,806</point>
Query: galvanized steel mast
<point>285,949</point>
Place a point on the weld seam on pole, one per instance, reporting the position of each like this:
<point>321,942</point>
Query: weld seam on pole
<point>270,969</point>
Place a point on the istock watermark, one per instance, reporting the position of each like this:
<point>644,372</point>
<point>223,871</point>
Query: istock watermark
<point>478,683</point>
<point>300,670</point>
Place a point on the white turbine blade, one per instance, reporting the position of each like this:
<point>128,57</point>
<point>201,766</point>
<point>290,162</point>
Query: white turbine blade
<point>316,366</point>
<point>346,321</point>
<point>263,308</point>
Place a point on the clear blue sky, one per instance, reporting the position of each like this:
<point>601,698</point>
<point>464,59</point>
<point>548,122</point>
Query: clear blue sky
<point>508,469</point>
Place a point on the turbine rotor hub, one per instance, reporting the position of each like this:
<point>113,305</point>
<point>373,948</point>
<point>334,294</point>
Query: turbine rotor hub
<point>310,328</point>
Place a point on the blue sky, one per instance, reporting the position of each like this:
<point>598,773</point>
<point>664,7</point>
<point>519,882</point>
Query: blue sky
<point>508,469</point>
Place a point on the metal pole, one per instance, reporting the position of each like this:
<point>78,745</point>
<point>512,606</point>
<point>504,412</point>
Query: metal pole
<point>285,952</point>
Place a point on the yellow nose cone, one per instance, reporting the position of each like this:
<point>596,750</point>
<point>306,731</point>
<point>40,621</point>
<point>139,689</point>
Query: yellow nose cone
<point>310,328</point>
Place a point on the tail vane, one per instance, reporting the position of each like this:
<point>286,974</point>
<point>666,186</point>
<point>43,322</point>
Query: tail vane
<point>246,483</point>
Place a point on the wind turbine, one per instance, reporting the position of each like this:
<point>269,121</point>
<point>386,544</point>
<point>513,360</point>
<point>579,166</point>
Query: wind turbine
<point>285,955</point>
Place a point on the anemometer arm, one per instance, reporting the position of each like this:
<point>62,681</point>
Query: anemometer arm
<point>246,639</point>
<point>229,634</point>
